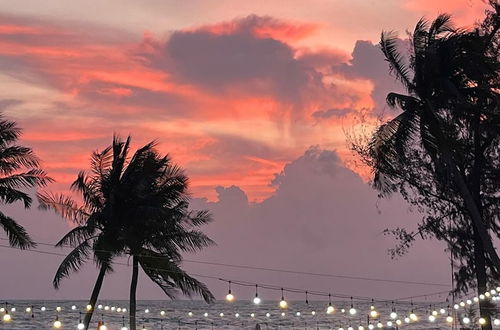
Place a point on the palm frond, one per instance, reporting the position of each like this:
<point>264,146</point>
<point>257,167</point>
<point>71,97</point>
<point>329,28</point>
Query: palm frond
<point>389,46</point>
<point>441,24</point>
<point>169,276</point>
<point>9,131</point>
<point>77,235</point>
<point>17,235</point>
<point>15,157</point>
<point>32,178</point>
<point>10,195</point>
<point>72,262</point>
<point>62,205</point>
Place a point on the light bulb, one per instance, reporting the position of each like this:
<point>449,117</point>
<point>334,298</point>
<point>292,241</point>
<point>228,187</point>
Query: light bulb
<point>313,313</point>
<point>352,311</point>
<point>442,311</point>
<point>206,314</point>
<point>57,324</point>
<point>283,314</point>
<point>481,296</point>
<point>89,307</point>
<point>268,315</point>
<point>119,309</point>
<point>373,313</point>
<point>482,321</point>
<point>371,326</point>
<point>462,304</point>
<point>432,318</point>
<point>413,316</point>
<point>230,297</point>
<point>113,308</point>
<point>256,300</point>
<point>221,314</point>
<point>380,325</point>
<point>80,326</point>
<point>2,309</point>
<point>435,313</point>
<point>124,328</point>
<point>58,308</point>
<point>124,310</point>
<point>330,309</point>
<point>98,306</point>
<point>496,322</point>
<point>393,315</point>
<point>469,302</point>
<point>361,327</point>
<point>28,309</point>
<point>13,309</point>
<point>43,309</point>
<point>407,320</point>
<point>449,319</point>
<point>398,322</point>
<point>389,324</point>
<point>298,313</point>
<point>146,311</point>
<point>7,317</point>
<point>350,328</point>
<point>237,315</point>
<point>73,307</point>
<point>103,327</point>
<point>252,315</point>
<point>190,314</point>
<point>283,303</point>
<point>466,320</point>
<point>162,313</point>
<point>106,308</point>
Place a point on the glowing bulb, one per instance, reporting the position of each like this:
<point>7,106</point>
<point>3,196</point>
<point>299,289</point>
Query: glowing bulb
<point>283,314</point>
<point>380,325</point>
<point>162,313</point>
<point>7,317</point>
<point>230,297</point>
<point>221,314</point>
<point>487,294</point>
<point>256,300</point>
<point>442,311</point>
<point>124,310</point>
<point>206,314</point>
<point>268,315</point>
<point>57,324</point>
<point>432,318</point>
<point>58,308</point>
<point>398,322</point>
<point>190,314</point>
<point>481,296</point>
<point>462,304</point>
<point>350,328</point>
<point>413,316</point>
<point>28,309</point>
<point>482,321</point>
<point>393,315</point>
<point>476,299</point>
<point>237,315</point>
<point>352,311</point>
<point>469,302</point>
<point>313,313</point>
<point>466,320</point>
<point>146,311</point>
<point>80,326</point>
<point>118,309</point>
<point>407,320</point>
<point>330,309</point>
<point>298,313</point>
<point>342,310</point>
<point>98,306</point>
<point>496,322</point>
<point>435,313</point>
<point>124,328</point>
<point>361,327</point>
<point>252,315</point>
<point>373,313</point>
<point>2,309</point>
<point>283,303</point>
<point>449,319</point>
<point>13,309</point>
<point>389,324</point>
<point>89,307</point>
<point>456,306</point>
<point>74,307</point>
<point>371,326</point>
<point>43,309</point>
<point>103,327</point>
<point>113,308</point>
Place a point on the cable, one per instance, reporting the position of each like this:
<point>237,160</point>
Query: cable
<point>241,283</point>
<point>359,278</point>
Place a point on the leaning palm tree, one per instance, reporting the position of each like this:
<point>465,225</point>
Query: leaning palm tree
<point>19,168</point>
<point>131,206</point>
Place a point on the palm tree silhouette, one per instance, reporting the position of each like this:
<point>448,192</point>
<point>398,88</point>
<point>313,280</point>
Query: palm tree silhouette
<point>19,168</point>
<point>136,207</point>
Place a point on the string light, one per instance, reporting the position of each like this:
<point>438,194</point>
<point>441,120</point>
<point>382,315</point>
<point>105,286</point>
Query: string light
<point>80,325</point>
<point>256,299</point>
<point>330,309</point>
<point>57,323</point>
<point>283,303</point>
<point>229,296</point>
<point>352,310</point>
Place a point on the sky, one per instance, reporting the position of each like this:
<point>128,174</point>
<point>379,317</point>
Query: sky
<point>252,98</point>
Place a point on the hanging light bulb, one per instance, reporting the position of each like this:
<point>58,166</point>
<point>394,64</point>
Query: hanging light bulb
<point>380,325</point>
<point>28,309</point>
<point>442,311</point>
<point>229,296</point>
<point>330,309</point>
<point>313,313</point>
<point>80,325</point>
<point>466,320</point>
<point>482,321</point>
<point>373,311</point>
<point>432,318</point>
<point>7,317</point>
<point>124,328</point>
<point>352,310</point>
<point>398,322</point>
<point>103,327</point>
<point>57,323</point>
<point>496,321</point>
<point>389,324</point>
<point>393,315</point>
<point>407,320</point>
<point>256,299</point>
<point>283,303</point>
<point>89,307</point>
<point>371,326</point>
<point>449,319</point>
<point>361,327</point>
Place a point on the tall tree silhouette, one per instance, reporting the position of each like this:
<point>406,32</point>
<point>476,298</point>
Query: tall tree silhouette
<point>135,206</point>
<point>19,169</point>
<point>442,151</point>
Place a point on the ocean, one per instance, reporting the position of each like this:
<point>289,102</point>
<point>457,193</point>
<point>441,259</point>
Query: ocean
<point>219,315</point>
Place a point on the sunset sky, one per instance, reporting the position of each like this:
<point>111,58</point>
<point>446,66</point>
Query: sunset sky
<point>252,98</point>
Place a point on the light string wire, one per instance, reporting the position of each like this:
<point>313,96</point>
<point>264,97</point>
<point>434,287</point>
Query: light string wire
<point>244,283</point>
<point>360,278</point>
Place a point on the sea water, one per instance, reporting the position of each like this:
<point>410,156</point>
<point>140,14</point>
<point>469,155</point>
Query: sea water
<point>219,315</point>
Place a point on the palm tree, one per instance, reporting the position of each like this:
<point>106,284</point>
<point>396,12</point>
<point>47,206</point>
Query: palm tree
<point>448,71</point>
<point>19,168</point>
<point>136,207</point>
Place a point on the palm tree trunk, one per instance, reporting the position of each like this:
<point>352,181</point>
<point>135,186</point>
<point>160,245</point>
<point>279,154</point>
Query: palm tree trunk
<point>464,191</point>
<point>133,289</point>
<point>93,297</point>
